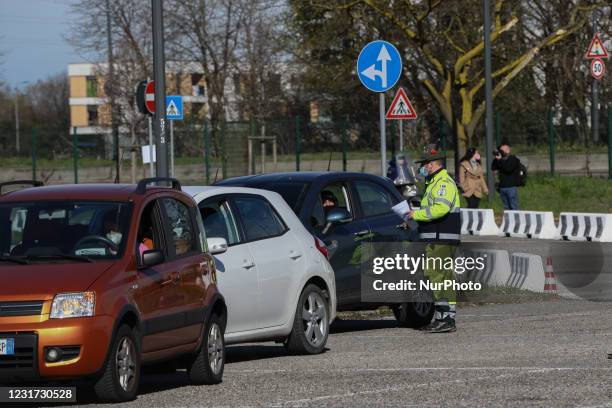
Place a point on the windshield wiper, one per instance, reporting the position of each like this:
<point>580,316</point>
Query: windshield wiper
<point>20,261</point>
<point>59,256</point>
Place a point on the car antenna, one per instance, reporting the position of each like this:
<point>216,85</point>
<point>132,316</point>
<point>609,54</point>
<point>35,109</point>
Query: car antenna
<point>329,162</point>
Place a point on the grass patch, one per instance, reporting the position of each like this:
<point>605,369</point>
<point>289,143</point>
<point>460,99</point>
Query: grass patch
<point>560,193</point>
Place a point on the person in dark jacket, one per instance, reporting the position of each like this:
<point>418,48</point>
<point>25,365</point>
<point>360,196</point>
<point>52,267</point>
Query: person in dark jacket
<point>508,167</point>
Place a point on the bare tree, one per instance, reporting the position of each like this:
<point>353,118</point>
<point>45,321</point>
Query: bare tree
<point>207,32</point>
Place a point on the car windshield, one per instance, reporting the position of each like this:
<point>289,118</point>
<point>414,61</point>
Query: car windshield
<point>292,192</point>
<point>48,231</point>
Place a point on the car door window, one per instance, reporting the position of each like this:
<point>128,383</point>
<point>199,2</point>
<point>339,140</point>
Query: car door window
<point>334,195</point>
<point>259,218</point>
<point>180,225</point>
<point>373,198</point>
<point>219,222</point>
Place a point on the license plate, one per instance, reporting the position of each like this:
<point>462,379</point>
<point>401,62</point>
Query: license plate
<point>7,347</point>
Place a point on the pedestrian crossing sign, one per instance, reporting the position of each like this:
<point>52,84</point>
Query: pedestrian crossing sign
<point>401,108</point>
<point>174,107</point>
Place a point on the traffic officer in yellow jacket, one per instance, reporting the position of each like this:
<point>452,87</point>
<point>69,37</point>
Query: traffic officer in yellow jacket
<point>440,226</point>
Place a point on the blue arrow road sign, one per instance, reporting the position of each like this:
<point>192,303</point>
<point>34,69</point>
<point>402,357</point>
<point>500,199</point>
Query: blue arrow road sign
<point>174,107</point>
<point>379,66</point>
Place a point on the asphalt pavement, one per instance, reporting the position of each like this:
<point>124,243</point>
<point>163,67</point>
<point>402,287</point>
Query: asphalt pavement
<point>550,353</point>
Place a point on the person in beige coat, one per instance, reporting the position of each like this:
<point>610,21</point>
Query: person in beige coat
<point>471,178</point>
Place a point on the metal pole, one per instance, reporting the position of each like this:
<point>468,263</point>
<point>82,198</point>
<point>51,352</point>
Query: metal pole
<point>298,143</point>
<point>595,91</point>
<point>151,163</point>
<point>171,148</point>
<point>206,153</point>
<point>159,76</point>
<point>489,99</point>
<point>17,144</point>
<point>610,143</point>
<point>263,149</point>
<point>401,135</point>
<point>75,155</point>
<point>383,136</point>
<point>34,141</point>
<point>551,142</point>
<point>111,91</point>
<point>223,152</point>
<point>344,144</point>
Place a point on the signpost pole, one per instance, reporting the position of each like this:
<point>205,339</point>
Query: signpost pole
<point>75,155</point>
<point>401,135</point>
<point>171,148</point>
<point>383,138</point>
<point>159,76</point>
<point>151,164</point>
<point>595,91</point>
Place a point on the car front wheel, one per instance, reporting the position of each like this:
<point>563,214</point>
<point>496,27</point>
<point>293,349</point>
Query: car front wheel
<point>311,323</point>
<point>414,314</point>
<point>119,381</point>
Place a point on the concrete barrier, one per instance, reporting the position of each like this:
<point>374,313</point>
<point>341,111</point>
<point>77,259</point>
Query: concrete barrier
<point>526,272</point>
<point>496,271</point>
<point>529,224</point>
<point>476,221</point>
<point>585,227</point>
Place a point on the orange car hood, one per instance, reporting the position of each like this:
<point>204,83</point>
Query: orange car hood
<point>43,281</point>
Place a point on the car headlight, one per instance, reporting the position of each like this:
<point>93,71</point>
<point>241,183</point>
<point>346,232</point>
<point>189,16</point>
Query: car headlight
<point>78,304</point>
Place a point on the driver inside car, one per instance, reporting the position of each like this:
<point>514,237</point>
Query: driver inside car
<point>328,199</point>
<point>112,232</point>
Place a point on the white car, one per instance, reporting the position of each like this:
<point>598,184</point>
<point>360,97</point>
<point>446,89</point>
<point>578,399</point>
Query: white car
<point>275,276</point>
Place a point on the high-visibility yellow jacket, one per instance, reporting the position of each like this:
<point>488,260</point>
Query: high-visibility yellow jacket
<point>438,217</point>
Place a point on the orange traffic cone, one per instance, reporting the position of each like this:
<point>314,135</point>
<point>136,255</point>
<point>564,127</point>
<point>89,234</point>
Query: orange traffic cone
<point>550,281</point>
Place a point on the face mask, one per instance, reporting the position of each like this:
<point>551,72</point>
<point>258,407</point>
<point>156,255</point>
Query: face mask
<point>423,171</point>
<point>115,237</point>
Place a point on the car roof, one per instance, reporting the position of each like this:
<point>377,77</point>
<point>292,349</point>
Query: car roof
<point>297,176</point>
<point>101,192</point>
<point>200,193</point>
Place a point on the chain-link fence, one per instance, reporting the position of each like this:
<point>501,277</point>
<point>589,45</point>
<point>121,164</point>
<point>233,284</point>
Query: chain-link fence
<point>205,152</point>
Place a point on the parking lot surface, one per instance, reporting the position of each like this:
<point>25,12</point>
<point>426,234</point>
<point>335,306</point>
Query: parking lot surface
<point>536,354</point>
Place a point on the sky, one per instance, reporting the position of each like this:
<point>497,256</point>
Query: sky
<point>32,40</point>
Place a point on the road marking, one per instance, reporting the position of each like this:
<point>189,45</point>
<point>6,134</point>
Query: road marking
<point>522,371</point>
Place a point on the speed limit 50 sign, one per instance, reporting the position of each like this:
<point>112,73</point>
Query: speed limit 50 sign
<point>598,68</point>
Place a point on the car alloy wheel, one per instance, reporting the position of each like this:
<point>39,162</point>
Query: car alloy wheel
<point>125,360</point>
<point>314,315</point>
<point>215,348</point>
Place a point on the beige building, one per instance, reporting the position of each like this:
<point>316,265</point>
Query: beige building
<point>90,108</point>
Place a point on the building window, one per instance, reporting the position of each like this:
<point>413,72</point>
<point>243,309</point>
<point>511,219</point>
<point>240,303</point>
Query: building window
<point>92,87</point>
<point>92,115</point>
<point>197,89</point>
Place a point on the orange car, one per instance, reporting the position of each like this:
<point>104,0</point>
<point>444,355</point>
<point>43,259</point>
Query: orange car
<point>97,279</point>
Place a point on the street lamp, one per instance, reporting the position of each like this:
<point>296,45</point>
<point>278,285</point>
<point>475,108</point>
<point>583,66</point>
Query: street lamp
<point>17,144</point>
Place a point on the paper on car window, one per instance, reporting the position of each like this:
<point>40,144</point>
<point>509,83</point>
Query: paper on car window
<point>402,209</point>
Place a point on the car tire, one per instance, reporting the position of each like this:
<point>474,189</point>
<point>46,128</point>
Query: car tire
<point>414,314</point>
<point>310,324</point>
<point>121,376</point>
<point>208,364</point>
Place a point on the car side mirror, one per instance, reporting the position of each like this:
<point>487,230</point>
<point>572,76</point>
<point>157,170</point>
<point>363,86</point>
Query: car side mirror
<point>338,216</point>
<point>216,245</point>
<point>152,257</point>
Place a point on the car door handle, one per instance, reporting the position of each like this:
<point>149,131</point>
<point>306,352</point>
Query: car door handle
<point>248,264</point>
<point>294,254</point>
<point>361,233</point>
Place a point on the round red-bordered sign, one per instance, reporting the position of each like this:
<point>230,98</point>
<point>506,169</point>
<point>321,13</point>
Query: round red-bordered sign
<point>150,97</point>
<point>598,68</point>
